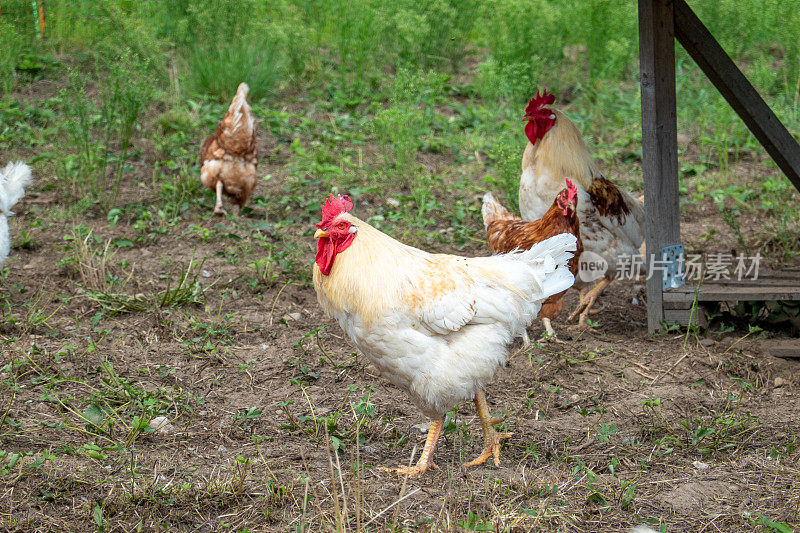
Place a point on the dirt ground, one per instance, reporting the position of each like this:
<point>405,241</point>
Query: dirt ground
<point>697,431</point>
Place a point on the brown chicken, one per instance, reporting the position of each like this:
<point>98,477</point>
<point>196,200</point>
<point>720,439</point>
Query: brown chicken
<point>506,232</point>
<point>228,158</point>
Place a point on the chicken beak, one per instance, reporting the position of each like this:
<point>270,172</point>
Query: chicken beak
<point>527,118</point>
<point>320,234</point>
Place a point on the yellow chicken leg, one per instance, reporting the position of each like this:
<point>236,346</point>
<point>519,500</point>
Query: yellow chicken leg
<point>587,301</point>
<point>425,462</point>
<point>491,437</point>
<point>218,207</point>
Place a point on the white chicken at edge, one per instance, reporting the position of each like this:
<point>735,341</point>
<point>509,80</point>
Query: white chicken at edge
<point>13,179</point>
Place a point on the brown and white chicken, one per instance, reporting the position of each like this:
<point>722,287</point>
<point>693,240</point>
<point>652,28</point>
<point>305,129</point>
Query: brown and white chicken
<point>228,158</point>
<point>438,326</point>
<point>611,219</point>
<point>506,232</point>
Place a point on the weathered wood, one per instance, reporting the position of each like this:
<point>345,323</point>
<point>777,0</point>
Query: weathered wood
<point>684,303</point>
<point>741,295</point>
<point>659,140</point>
<point>684,317</point>
<point>786,349</point>
<point>740,94</point>
<point>717,292</point>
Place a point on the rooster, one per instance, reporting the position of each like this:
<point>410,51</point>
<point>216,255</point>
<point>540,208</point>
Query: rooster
<point>228,158</point>
<point>507,232</point>
<point>436,325</point>
<point>611,219</point>
<point>13,180</point>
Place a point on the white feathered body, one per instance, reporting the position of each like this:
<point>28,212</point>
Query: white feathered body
<point>5,239</point>
<point>13,179</point>
<point>438,326</point>
<point>607,230</point>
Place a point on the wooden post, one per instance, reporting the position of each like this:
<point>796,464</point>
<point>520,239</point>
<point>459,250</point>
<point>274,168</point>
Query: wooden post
<point>739,93</point>
<point>41,17</point>
<point>659,141</point>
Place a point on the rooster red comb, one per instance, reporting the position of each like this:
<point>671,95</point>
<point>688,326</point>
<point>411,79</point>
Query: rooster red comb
<point>536,103</point>
<point>333,207</point>
<point>539,118</point>
<point>572,192</point>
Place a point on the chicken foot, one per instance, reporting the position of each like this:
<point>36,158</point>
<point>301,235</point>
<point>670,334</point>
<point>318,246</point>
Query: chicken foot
<point>587,301</point>
<point>425,462</point>
<point>218,210</point>
<point>491,437</point>
<point>549,333</point>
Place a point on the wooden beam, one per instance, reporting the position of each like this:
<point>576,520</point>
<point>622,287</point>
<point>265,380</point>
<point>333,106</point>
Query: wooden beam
<point>732,293</point>
<point>787,349</point>
<point>659,141</point>
<point>684,317</point>
<point>739,93</point>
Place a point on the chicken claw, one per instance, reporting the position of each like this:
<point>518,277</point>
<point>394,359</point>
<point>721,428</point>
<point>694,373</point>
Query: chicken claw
<point>492,449</point>
<point>491,437</point>
<point>549,334</point>
<point>411,471</point>
<point>551,338</point>
<point>425,462</point>
<point>587,301</point>
<point>218,206</point>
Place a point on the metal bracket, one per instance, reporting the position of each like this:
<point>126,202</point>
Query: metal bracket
<point>672,267</point>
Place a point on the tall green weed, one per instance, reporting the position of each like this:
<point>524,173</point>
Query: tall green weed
<point>228,42</point>
<point>101,133</point>
<point>107,27</point>
<point>12,44</point>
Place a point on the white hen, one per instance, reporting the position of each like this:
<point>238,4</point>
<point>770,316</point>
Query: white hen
<point>13,180</point>
<point>438,326</point>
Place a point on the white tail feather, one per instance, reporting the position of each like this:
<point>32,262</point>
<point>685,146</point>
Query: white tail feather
<point>489,208</point>
<point>560,247</point>
<point>493,210</point>
<point>13,179</point>
<point>556,251</point>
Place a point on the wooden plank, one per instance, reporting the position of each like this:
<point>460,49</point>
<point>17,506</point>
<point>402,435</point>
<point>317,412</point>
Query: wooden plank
<point>659,140</point>
<point>734,284</point>
<point>677,304</point>
<point>684,317</point>
<point>760,283</point>
<point>734,294</point>
<point>787,349</point>
<point>739,93</point>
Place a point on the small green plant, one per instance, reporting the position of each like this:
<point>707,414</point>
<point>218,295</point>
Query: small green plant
<point>772,525</point>
<point>262,272</point>
<point>183,288</point>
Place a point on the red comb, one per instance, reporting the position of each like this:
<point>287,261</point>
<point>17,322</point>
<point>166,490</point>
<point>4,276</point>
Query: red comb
<point>572,191</point>
<point>538,101</point>
<point>333,207</point>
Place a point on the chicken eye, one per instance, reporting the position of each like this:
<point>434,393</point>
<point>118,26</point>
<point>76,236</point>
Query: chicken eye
<point>341,225</point>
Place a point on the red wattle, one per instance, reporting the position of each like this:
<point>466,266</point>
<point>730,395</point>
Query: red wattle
<point>325,254</point>
<point>530,132</point>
